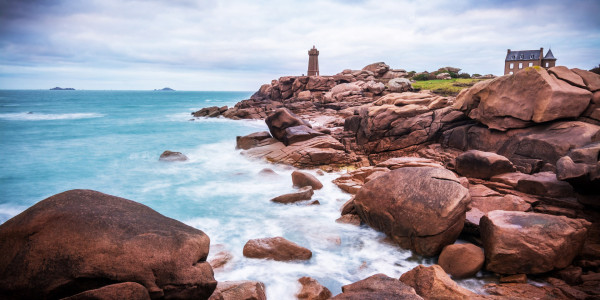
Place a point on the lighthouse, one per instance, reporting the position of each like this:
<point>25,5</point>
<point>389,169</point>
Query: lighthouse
<point>313,62</point>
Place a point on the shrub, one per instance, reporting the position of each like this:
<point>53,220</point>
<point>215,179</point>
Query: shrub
<point>596,69</point>
<point>421,77</point>
<point>476,75</point>
<point>464,75</point>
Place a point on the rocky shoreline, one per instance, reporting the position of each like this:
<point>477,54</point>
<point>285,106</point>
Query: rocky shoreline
<point>511,165</point>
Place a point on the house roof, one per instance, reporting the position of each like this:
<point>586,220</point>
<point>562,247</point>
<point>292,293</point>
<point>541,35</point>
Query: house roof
<point>549,55</point>
<point>523,55</point>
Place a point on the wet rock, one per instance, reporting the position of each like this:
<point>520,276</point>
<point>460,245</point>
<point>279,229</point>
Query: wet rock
<point>530,243</point>
<point>499,104</point>
<point>433,283</point>
<point>210,112</point>
<point>302,179</point>
<point>483,165</point>
<point>422,209</point>
<point>267,172</point>
<point>172,156</point>
<point>276,248</point>
<point>302,194</point>
<point>81,240</point>
<point>125,290</point>
<point>461,260</point>
<point>282,119</point>
<point>252,140</point>
<point>220,259</point>
<point>378,286</point>
<point>239,290</point>
<point>349,219</point>
<point>312,290</point>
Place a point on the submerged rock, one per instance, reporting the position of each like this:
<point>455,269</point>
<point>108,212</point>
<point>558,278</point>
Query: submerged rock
<point>239,290</point>
<point>433,283</point>
<point>276,248</point>
<point>81,240</point>
<point>302,194</point>
<point>378,286</point>
<point>302,179</point>
<point>422,209</point>
<point>172,156</point>
<point>312,290</point>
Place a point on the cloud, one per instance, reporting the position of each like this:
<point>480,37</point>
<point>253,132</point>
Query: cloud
<point>197,45</point>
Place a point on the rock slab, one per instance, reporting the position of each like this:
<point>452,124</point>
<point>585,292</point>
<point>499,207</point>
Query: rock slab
<point>239,290</point>
<point>82,240</point>
<point>378,286</point>
<point>276,248</point>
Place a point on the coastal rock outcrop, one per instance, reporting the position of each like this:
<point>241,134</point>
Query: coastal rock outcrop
<point>282,119</point>
<point>422,208</point>
<point>276,248</point>
<point>516,101</point>
<point>378,286</point>
<point>530,243</point>
<point>304,193</point>
<point>312,290</point>
<point>239,290</point>
<point>433,283</point>
<point>172,156</point>
<point>82,240</point>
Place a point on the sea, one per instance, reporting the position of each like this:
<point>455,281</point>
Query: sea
<point>110,141</point>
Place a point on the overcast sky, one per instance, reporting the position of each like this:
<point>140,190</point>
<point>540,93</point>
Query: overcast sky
<point>239,44</point>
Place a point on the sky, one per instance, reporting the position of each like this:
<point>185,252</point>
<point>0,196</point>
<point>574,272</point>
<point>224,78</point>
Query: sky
<point>238,45</point>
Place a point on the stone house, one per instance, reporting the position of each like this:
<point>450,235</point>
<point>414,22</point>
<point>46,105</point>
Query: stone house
<point>518,60</point>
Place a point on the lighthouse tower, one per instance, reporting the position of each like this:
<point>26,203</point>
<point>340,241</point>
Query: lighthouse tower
<point>313,62</point>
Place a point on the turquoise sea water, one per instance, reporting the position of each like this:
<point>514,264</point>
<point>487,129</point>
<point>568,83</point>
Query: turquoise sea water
<point>110,141</point>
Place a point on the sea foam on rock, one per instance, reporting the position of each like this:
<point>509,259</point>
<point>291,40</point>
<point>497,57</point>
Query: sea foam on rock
<point>421,208</point>
<point>81,240</point>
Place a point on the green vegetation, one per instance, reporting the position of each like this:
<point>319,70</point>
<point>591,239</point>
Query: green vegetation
<point>446,87</point>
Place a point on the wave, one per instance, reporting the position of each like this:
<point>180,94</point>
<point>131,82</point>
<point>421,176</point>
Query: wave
<point>31,116</point>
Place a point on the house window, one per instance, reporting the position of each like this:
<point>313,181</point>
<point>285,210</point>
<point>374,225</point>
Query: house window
<point>521,56</point>
<point>520,65</point>
<point>547,64</point>
<point>510,72</point>
<point>531,56</point>
<point>511,66</point>
<point>531,64</point>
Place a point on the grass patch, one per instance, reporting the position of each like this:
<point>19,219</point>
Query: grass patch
<point>446,87</point>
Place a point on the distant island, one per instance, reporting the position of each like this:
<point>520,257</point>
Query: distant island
<point>61,89</point>
<point>165,89</point>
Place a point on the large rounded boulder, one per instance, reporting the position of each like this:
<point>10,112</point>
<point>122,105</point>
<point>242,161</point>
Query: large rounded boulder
<point>83,240</point>
<point>516,101</point>
<point>421,208</point>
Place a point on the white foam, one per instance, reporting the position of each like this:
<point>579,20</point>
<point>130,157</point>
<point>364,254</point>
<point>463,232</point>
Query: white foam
<point>27,116</point>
